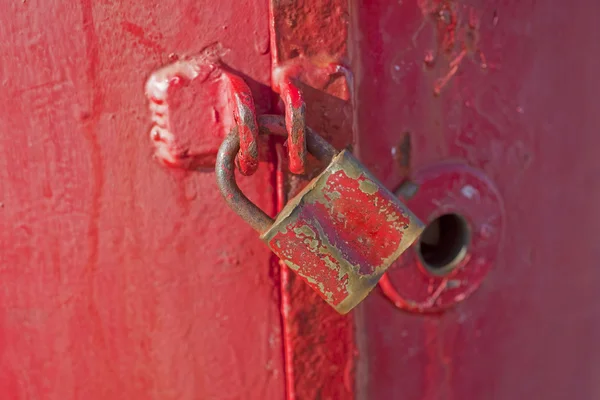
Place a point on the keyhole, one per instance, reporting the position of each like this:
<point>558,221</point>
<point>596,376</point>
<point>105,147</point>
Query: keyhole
<point>444,244</point>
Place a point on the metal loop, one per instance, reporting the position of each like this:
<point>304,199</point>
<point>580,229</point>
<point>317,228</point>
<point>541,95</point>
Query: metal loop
<point>225,168</point>
<point>295,121</point>
<point>244,114</point>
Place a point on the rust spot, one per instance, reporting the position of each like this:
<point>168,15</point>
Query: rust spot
<point>402,154</point>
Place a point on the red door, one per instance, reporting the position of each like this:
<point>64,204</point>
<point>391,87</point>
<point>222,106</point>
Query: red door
<point>123,278</point>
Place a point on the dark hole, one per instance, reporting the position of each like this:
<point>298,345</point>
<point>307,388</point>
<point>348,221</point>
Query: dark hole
<point>443,244</point>
<point>294,53</point>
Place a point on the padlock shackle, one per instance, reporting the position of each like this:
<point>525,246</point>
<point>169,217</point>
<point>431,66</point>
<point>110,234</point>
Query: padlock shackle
<point>225,168</point>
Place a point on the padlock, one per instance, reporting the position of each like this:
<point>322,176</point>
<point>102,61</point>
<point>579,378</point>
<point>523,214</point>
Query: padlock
<point>340,233</point>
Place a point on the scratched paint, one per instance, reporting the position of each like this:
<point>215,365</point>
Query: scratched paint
<point>295,120</point>
<point>455,27</point>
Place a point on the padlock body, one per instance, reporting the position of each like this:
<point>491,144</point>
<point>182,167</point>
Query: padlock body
<point>342,232</point>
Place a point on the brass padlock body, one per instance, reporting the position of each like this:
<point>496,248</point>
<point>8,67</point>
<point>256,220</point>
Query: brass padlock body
<point>342,232</point>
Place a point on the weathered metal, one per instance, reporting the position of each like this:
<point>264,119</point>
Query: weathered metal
<point>448,189</point>
<point>295,121</point>
<point>121,279</point>
<point>170,147</point>
<point>340,233</point>
<point>506,117</point>
<point>173,147</point>
<point>244,114</point>
<point>309,42</point>
<point>225,171</point>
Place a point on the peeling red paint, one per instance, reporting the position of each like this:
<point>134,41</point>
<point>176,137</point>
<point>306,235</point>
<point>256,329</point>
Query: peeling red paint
<point>319,347</point>
<point>117,273</point>
<point>295,121</point>
<point>242,106</point>
<point>342,232</point>
<point>115,270</point>
<point>456,31</point>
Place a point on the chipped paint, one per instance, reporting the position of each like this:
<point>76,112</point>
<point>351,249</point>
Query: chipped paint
<point>342,232</point>
<point>368,187</point>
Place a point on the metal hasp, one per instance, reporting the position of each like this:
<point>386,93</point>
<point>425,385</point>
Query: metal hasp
<point>340,233</point>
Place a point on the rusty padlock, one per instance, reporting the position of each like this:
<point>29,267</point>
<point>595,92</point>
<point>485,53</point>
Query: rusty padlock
<point>340,233</point>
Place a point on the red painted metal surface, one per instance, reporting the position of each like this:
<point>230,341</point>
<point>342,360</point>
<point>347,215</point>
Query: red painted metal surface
<point>319,346</point>
<point>121,278</point>
<point>509,88</point>
<point>124,279</point>
<point>445,189</point>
